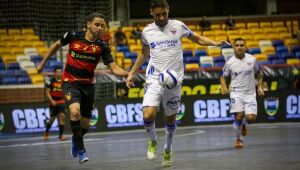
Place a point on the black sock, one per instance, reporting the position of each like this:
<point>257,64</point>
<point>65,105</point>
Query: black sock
<point>77,134</point>
<point>84,131</point>
<point>61,129</point>
<point>48,127</point>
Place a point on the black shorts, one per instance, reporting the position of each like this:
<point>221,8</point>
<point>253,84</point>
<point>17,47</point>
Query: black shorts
<point>82,94</point>
<point>55,110</point>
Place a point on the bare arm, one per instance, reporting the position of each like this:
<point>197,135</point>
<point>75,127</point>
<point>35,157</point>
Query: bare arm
<point>260,84</point>
<point>117,70</point>
<point>53,103</point>
<point>53,49</point>
<point>138,63</point>
<point>224,89</point>
<point>205,41</point>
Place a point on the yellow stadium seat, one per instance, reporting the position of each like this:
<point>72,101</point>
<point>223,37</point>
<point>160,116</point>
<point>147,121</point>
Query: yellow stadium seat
<point>258,37</point>
<point>37,79</point>
<point>291,42</point>
<point>37,44</point>
<point>273,36</point>
<point>26,31</point>
<point>215,26</point>
<point>25,44</point>
<point>248,37</point>
<point>221,37</point>
<point>42,50</point>
<point>192,66</point>
<point>127,29</point>
<point>193,27</point>
<point>269,30</point>
<point>135,48</point>
<point>190,46</point>
<point>220,32</point>
<point>245,31</point>
<point>293,61</point>
<point>267,50</point>
<point>252,44</point>
<point>214,51</point>
<point>233,32</point>
<point>281,29</point>
<point>31,71</point>
<point>12,44</point>
<point>285,35</point>
<point>199,47</point>
<point>119,62</point>
<point>17,51</point>
<point>208,33</point>
<point>261,57</point>
<point>131,42</point>
<point>211,37</point>
<point>240,25</point>
<point>277,24</point>
<point>6,38</point>
<point>4,50</point>
<point>265,24</point>
<point>233,37</point>
<point>198,32</point>
<point>2,43</point>
<point>9,58</point>
<point>256,31</point>
<point>33,38</point>
<point>185,41</point>
<point>127,63</point>
<point>20,37</point>
<point>3,31</point>
<point>289,24</point>
<point>13,31</point>
<point>252,25</point>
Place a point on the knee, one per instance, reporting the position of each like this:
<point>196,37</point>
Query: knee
<point>251,118</point>
<point>75,113</point>
<point>238,116</point>
<point>170,120</point>
<point>148,114</point>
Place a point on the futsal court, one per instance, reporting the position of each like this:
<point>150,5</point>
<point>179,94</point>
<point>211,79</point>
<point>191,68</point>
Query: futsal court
<point>267,146</point>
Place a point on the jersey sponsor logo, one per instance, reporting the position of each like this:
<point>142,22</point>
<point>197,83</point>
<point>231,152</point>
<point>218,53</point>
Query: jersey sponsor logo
<point>32,120</point>
<point>68,96</point>
<point>164,44</point>
<point>83,57</point>
<point>2,121</point>
<point>174,103</point>
<point>212,110</point>
<point>271,105</point>
<point>293,107</point>
<point>124,115</point>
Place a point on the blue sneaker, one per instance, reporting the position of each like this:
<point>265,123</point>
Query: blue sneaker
<point>74,149</point>
<point>82,156</point>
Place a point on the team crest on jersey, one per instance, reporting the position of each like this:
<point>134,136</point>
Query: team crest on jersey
<point>68,96</point>
<point>173,30</point>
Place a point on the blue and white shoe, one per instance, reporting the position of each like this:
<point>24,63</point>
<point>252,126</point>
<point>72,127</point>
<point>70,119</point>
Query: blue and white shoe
<point>74,149</point>
<point>82,156</point>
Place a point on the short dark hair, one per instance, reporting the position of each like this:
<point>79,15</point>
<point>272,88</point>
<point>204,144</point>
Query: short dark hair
<point>239,39</point>
<point>158,3</point>
<point>56,68</point>
<point>93,15</point>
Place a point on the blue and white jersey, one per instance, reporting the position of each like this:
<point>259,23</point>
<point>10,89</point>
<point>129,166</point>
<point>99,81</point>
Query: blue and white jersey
<point>165,47</point>
<point>242,73</point>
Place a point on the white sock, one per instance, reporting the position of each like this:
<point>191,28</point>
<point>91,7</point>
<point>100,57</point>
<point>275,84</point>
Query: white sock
<point>150,128</point>
<point>237,129</point>
<point>170,133</point>
<point>244,121</point>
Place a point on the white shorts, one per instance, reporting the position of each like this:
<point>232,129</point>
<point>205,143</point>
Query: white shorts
<point>243,103</point>
<point>155,93</point>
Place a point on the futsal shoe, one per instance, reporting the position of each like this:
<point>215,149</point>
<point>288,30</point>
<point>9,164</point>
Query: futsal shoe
<point>238,143</point>
<point>152,147</point>
<point>62,138</point>
<point>167,158</point>
<point>46,136</point>
<point>82,156</point>
<point>74,149</point>
<point>244,130</point>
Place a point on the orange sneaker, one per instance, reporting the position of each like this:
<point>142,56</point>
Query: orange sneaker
<point>62,138</point>
<point>238,143</point>
<point>244,130</point>
<point>46,136</point>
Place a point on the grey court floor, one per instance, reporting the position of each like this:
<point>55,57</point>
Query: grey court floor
<point>267,147</point>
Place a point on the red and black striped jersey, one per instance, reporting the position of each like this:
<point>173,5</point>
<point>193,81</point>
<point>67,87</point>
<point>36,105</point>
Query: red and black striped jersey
<point>83,57</point>
<point>55,90</point>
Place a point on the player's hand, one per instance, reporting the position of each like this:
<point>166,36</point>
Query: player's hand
<point>130,80</point>
<point>40,67</point>
<point>222,42</point>
<point>260,91</point>
<point>53,103</point>
<point>224,90</point>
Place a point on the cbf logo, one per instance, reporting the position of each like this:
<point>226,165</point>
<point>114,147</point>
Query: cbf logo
<point>2,122</point>
<point>94,118</point>
<point>174,103</point>
<point>293,107</point>
<point>271,106</point>
<point>180,114</point>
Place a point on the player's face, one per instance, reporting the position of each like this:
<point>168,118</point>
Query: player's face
<point>160,15</point>
<point>239,48</point>
<point>57,74</point>
<point>96,27</point>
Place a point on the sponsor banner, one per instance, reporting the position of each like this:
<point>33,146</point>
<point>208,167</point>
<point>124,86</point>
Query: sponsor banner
<point>122,114</point>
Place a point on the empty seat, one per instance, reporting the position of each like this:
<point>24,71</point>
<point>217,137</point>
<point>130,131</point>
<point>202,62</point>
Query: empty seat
<point>123,48</point>
<point>30,51</point>
<point>265,24</point>
<point>192,66</point>
<point>24,80</point>
<point>278,61</point>
<point>263,43</point>
<point>227,52</point>
<point>252,44</point>
<point>27,31</point>
<point>293,61</point>
<point>295,49</point>
<point>206,61</point>
<point>26,65</point>
<point>12,66</point>
<point>268,50</point>
<point>132,55</point>
<point>136,48</point>
<point>276,43</point>
<point>287,55</point>
<point>215,51</point>
<point>273,57</point>
<point>191,59</point>
<point>281,49</point>
<point>37,79</point>
<point>254,51</point>
<point>252,25</point>
<point>9,80</point>
<point>277,24</point>
<point>240,25</point>
<point>199,53</point>
<point>261,57</point>
<point>187,53</point>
